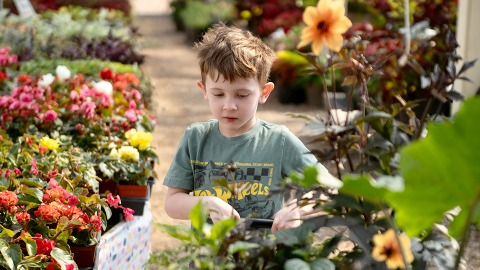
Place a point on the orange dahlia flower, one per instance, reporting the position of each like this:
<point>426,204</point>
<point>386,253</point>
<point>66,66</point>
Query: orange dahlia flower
<point>386,248</point>
<point>325,24</point>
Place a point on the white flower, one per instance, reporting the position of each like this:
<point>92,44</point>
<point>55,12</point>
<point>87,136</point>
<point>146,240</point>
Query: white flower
<point>46,80</point>
<point>104,87</point>
<point>63,73</point>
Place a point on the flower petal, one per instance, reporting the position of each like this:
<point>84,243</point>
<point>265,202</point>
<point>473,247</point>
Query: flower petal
<point>334,41</point>
<point>341,25</point>
<point>310,16</point>
<point>317,45</point>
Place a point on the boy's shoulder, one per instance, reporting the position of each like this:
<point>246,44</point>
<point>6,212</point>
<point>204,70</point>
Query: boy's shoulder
<point>202,127</point>
<point>272,126</point>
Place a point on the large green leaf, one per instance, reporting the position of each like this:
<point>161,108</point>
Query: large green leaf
<point>441,172</point>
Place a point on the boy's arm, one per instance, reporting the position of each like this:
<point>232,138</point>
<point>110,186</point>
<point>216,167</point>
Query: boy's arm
<point>179,203</point>
<point>291,215</point>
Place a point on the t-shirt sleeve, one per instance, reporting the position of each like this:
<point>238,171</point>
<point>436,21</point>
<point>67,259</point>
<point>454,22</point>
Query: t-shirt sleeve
<point>296,155</point>
<point>180,173</point>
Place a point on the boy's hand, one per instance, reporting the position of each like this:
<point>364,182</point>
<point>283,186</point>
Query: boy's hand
<point>287,218</point>
<point>219,209</point>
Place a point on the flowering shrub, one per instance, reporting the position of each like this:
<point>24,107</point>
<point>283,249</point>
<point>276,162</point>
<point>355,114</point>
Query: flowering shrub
<point>91,112</point>
<point>48,203</point>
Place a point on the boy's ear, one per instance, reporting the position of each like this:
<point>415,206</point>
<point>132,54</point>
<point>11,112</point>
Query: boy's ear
<point>202,87</point>
<point>267,89</point>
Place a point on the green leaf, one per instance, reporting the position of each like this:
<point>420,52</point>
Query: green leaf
<point>322,264</point>
<point>6,231</point>
<point>62,257</point>
<point>239,246</point>
<point>178,232</point>
<point>198,216</point>
<point>441,173</point>
<point>294,236</point>
<point>31,262</point>
<point>221,228</point>
<point>12,255</point>
<point>296,264</point>
<point>33,192</point>
<point>369,188</point>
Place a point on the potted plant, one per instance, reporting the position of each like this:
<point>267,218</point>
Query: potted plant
<point>48,205</point>
<point>130,164</point>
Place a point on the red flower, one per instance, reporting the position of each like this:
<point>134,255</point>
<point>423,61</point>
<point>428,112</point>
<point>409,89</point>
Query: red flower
<point>3,75</point>
<point>96,222</point>
<point>47,213</point>
<point>22,217</point>
<point>106,74</point>
<point>44,246</point>
<point>8,199</point>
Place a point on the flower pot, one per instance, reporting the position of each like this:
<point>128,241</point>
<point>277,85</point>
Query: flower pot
<point>84,256</point>
<point>133,191</point>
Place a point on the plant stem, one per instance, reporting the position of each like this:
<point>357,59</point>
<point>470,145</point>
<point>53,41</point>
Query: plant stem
<point>406,17</point>
<point>325,91</point>
<point>424,117</point>
<point>397,237</point>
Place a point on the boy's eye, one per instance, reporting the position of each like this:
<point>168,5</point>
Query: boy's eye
<point>242,95</point>
<point>218,95</point>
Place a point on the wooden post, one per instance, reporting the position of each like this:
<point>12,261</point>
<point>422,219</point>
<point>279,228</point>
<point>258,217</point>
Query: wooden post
<point>468,38</point>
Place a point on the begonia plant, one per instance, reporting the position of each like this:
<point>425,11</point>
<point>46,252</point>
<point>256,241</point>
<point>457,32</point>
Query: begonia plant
<point>48,203</point>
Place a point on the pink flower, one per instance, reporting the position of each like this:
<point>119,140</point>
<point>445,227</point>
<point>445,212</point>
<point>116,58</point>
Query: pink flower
<point>128,213</point>
<point>74,96</point>
<point>113,201</point>
<point>136,95</point>
<point>88,108</point>
<point>50,116</point>
<point>131,115</point>
<point>132,105</point>
<point>52,181</point>
<point>34,169</point>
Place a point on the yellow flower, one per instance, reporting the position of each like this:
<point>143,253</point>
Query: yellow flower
<point>325,24</point>
<point>128,153</point>
<point>139,139</point>
<point>114,153</point>
<point>386,248</point>
<point>51,144</point>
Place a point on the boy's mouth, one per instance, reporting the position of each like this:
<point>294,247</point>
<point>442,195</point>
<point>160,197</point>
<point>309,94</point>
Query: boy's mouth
<point>230,119</point>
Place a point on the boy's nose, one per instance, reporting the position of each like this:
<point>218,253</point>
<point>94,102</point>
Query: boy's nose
<point>229,104</point>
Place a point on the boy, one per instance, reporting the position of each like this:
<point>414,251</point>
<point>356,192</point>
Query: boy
<point>250,153</point>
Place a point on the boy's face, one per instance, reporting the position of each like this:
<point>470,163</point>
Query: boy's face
<point>234,104</point>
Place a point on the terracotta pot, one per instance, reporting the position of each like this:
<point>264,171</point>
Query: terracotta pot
<point>133,191</point>
<point>84,256</point>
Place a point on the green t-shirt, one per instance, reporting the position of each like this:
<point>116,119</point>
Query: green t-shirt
<point>263,156</point>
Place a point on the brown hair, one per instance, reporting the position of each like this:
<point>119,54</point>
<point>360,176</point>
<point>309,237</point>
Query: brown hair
<point>233,53</point>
